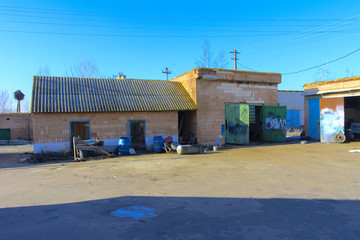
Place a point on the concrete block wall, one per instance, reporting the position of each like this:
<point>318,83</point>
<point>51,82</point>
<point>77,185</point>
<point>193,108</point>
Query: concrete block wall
<point>19,125</point>
<point>54,128</point>
<point>212,96</point>
<point>211,88</point>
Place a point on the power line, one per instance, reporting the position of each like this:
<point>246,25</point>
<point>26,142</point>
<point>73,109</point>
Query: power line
<point>332,61</point>
<point>247,67</point>
<point>87,13</point>
<point>177,29</point>
<point>300,35</point>
<point>307,45</point>
<point>162,23</point>
<point>140,36</point>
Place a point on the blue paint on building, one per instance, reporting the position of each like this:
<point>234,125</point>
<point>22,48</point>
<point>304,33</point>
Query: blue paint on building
<point>314,118</point>
<point>293,118</point>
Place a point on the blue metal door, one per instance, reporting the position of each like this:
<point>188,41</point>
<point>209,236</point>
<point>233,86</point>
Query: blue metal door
<point>314,118</point>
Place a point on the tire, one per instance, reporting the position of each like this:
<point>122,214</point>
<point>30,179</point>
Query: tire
<point>339,138</point>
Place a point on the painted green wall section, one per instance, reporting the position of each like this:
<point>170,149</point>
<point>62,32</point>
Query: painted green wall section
<point>236,123</point>
<point>274,123</point>
<point>4,134</point>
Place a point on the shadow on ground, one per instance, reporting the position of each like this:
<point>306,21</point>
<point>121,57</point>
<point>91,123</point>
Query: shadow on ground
<point>186,218</point>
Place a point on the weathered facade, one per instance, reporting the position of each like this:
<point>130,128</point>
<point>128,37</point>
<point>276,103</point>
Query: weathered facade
<point>332,108</point>
<point>220,92</point>
<point>14,126</point>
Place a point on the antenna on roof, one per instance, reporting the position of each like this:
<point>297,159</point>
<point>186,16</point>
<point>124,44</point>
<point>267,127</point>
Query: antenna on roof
<point>167,72</point>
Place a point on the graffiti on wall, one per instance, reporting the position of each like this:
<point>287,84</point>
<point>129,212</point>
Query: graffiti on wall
<point>272,121</point>
<point>275,123</point>
<point>331,123</point>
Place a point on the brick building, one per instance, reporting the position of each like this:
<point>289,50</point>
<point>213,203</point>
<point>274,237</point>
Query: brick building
<point>14,126</point>
<point>105,108</point>
<point>214,105</point>
<point>224,96</point>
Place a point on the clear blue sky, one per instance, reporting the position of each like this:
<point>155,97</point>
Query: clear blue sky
<point>141,38</point>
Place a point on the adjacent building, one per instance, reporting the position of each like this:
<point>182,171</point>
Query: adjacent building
<point>235,107</point>
<point>107,109</point>
<point>331,108</point>
<point>15,126</point>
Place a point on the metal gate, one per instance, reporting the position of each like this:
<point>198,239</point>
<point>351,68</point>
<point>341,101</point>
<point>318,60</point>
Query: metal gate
<point>236,123</point>
<point>274,123</point>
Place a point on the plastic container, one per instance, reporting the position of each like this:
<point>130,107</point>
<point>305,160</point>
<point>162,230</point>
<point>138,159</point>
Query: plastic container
<point>158,143</point>
<point>124,145</point>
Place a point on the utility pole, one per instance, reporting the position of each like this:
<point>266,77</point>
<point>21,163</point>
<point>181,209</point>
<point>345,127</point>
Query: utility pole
<point>167,72</point>
<point>234,58</point>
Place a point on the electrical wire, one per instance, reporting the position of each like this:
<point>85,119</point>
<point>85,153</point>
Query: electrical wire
<point>152,28</point>
<point>86,13</point>
<point>298,36</point>
<point>320,65</point>
<point>140,36</point>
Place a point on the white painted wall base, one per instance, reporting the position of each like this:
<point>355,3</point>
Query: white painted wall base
<point>109,144</point>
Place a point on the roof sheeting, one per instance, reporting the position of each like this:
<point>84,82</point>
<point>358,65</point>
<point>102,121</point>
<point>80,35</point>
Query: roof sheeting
<point>65,95</point>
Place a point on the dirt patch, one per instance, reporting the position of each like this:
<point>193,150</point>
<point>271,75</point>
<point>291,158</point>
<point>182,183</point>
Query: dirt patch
<point>10,155</point>
<point>289,191</point>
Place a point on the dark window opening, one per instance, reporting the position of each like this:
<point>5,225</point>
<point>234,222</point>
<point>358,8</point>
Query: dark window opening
<point>255,131</point>
<point>80,129</point>
<point>137,135</point>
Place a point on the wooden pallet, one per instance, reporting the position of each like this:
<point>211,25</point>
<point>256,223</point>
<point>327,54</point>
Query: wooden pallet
<point>80,145</point>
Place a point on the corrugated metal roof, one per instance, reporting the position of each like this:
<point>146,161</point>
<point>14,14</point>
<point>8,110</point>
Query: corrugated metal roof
<point>64,94</point>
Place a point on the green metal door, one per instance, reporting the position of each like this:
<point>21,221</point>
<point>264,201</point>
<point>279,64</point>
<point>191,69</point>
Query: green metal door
<point>274,123</point>
<point>236,123</point>
<point>4,134</point>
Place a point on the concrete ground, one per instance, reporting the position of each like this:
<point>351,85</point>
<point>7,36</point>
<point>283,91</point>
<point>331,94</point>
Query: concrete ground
<point>290,191</point>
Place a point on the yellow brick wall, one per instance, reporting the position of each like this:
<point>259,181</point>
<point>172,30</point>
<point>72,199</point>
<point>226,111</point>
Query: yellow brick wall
<point>50,128</point>
<point>188,80</point>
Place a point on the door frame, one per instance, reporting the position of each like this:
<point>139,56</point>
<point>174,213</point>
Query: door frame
<point>85,121</point>
<point>142,120</point>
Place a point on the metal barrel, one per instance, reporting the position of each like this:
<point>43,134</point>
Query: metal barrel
<point>158,143</point>
<point>124,145</point>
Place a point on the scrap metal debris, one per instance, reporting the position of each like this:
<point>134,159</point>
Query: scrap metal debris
<point>79,146</point>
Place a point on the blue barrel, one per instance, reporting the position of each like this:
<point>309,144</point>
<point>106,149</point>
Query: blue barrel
<point>158,143</point>
<point>124,145</point>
